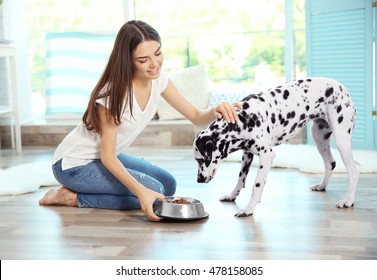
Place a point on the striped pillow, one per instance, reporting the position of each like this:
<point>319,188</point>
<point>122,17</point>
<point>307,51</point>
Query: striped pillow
<point>74,63</point>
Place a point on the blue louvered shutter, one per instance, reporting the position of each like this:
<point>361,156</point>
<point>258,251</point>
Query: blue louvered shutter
<point>339,45</point>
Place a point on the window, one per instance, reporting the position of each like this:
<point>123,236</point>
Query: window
<point>240,42</point>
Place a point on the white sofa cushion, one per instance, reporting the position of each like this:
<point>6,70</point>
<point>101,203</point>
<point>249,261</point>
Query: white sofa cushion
<point>192,82</point>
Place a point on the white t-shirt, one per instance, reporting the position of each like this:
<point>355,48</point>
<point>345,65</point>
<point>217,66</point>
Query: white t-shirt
<point>82,146</point>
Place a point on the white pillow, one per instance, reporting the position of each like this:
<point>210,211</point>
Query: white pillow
<point>192,82</point>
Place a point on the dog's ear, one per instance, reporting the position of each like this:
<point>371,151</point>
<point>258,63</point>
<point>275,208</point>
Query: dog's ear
<point>205,145</point>
<point>209,146</point>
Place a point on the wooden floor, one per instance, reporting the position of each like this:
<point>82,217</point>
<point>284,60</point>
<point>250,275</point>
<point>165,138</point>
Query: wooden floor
<point>291,223</point>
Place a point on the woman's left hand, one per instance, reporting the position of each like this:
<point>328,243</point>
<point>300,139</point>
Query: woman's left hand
<point>227,111</point>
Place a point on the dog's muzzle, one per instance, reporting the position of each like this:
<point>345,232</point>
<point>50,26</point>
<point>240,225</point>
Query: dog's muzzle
<point>201,178</point>
<point>205,179</point>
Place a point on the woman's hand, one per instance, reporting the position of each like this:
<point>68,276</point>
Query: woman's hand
<point>147,198</point>
<point>227,111</point>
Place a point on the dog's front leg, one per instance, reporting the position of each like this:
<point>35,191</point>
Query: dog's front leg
<point>247,159</point>
<point>265,162</point>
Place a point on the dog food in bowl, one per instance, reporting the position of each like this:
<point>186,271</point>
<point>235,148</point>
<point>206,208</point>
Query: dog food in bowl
<point>180,201</point>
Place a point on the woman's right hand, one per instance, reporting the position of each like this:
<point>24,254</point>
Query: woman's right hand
<point>147,198</point>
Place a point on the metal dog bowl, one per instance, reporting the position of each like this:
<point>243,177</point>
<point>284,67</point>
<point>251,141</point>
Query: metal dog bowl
<point>179,208</point>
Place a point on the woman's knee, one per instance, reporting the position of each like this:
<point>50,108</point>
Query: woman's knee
<point>170,185</point>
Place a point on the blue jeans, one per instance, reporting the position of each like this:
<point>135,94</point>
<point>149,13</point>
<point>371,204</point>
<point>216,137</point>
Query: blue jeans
<point>98,188</point>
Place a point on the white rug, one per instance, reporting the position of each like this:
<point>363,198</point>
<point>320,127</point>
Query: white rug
<point>307,159</point>
<point>26,178</point>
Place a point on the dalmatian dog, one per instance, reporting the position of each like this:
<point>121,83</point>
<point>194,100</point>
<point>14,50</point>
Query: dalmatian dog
<point>272,117</point>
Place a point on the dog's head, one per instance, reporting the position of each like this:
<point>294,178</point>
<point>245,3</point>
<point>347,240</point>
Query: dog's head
<point>207,155</point>
<point>214,144</point>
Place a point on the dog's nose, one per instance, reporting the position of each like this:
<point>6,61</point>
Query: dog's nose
<point>201,178</point>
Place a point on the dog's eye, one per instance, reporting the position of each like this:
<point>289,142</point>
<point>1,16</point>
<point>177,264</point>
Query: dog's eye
<point>200,160</point>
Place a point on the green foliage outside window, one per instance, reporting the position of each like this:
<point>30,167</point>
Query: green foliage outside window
<point>232,38</point>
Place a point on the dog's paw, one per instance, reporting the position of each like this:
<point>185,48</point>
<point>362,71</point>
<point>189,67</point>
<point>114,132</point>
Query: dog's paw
<point>344,204</point>
<point>319,188</point>
<point>243,213</point>
<point>227,198</point>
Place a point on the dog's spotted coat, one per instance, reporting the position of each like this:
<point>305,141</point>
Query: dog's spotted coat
<point>274,116</point>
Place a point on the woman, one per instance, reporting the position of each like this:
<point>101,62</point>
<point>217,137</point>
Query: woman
<point>89,163</point>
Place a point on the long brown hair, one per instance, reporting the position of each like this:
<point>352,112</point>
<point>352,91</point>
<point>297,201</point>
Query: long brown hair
<point>117,76</point>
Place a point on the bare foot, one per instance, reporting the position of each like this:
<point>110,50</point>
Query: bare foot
<point>63,196</point>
